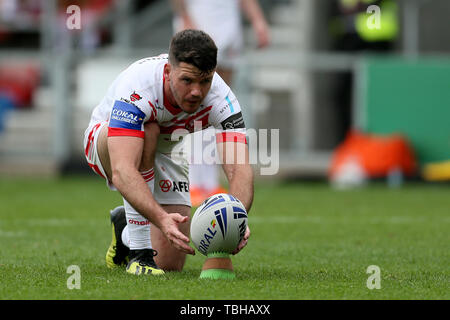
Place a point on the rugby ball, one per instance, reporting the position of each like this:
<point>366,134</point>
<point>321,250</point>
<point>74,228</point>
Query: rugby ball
<point>218,224</point>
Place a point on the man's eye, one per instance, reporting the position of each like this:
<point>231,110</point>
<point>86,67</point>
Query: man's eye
<point>187,80</point>
<point>206,81</point>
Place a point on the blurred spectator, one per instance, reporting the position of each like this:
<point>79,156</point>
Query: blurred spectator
<point>18,82</point>
<point>223,22</point>
<point>90,34</point>
<point>8,10</point>
<point>19,22</point>
<point>352,34</point>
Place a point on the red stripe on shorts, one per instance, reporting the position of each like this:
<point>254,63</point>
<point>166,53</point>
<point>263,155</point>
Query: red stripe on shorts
<point>91,138</point>
<point>96,169</point>
<point>148,175</point>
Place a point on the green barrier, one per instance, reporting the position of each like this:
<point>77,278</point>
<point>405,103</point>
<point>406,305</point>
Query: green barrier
<point>396,95</point>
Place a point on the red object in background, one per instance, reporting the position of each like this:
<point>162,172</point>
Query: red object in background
<point>376,154</point>
<point>18,82</point>
<point>100,5</point>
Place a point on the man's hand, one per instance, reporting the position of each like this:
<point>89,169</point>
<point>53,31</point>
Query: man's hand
<point>243,242</point>
<point>170,229</point>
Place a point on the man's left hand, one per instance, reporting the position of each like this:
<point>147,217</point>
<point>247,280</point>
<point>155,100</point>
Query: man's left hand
<point>243,242</point>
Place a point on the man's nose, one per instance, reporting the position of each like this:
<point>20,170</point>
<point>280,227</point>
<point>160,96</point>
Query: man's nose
<point>196,91</point>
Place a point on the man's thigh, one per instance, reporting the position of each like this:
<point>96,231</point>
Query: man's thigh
<point>102,153</point>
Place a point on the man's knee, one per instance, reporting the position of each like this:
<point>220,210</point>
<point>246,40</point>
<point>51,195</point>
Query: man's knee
<point>168,258</point>
<point>174,264</point>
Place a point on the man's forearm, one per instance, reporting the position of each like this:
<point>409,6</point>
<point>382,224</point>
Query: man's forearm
<point>241,184</point>
<point>253,11</point>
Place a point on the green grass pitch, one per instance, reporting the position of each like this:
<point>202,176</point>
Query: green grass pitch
<point>308,242</point>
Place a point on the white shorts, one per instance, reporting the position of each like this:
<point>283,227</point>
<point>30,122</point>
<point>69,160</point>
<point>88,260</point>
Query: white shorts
<point>170,176</point>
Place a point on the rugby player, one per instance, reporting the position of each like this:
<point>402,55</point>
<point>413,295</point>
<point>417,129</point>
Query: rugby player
<point>129,143</point>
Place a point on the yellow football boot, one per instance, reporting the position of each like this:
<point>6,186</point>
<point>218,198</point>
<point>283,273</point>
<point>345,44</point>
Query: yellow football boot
<point>141,262</point>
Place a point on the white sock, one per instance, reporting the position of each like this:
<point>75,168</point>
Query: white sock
<point>125,237</point>
<point>136,235</point>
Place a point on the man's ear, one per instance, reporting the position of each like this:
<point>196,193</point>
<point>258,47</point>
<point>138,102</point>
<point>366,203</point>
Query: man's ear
<point>167,69</point>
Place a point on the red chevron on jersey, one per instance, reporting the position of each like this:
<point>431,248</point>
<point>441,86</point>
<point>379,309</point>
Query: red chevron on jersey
<point>188,123</point>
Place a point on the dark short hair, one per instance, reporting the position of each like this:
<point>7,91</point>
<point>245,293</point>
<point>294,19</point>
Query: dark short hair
<point>194,47</point>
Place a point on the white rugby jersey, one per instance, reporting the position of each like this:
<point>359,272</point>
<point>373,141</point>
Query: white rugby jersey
<point>136,97</point>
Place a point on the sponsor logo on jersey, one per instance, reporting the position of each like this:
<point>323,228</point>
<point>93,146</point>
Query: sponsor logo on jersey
<point>126,116</point>
<point>174,186</point>
<point>236,121</point>
<point>224,108</point>
<point>127,101</point>
<point>135,97</point>
<point>139,223</point>
<point>165,185</point>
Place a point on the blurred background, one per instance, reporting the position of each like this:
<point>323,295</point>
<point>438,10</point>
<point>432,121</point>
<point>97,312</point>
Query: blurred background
<point>352,101</point>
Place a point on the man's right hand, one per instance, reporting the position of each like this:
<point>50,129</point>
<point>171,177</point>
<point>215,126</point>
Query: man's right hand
<point>170,229</point>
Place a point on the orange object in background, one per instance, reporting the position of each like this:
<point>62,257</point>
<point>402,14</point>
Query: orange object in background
<point>199,195</point>
<point>377,155</point>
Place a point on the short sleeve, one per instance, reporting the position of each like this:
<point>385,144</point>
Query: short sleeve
<point>130,110</point>
<point>126,119</point>
<point>228,121</point>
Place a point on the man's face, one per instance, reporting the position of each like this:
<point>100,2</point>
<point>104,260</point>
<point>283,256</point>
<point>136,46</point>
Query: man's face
<point>188,85</point>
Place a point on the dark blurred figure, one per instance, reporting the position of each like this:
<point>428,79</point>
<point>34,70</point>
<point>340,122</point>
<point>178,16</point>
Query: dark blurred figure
<point>352,33</point>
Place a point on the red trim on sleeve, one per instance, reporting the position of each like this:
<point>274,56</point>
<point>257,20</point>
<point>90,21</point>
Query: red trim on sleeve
<point>231,137</point>
<point>114,132</point>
